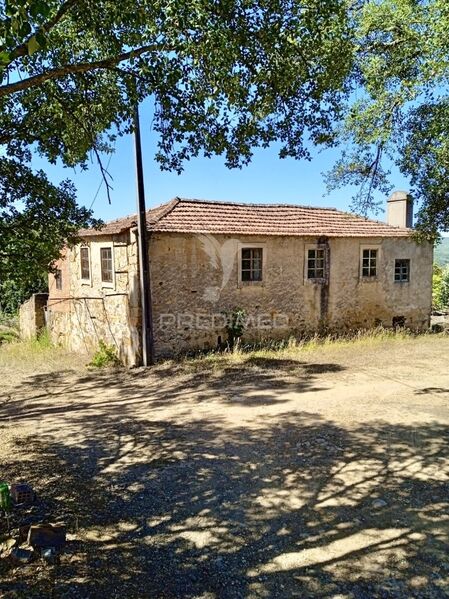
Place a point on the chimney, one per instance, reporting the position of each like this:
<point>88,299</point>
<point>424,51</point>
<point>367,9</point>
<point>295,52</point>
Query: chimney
<point>400,209</point>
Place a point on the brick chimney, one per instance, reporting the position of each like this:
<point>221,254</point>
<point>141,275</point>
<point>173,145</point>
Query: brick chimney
<point>400,209</point>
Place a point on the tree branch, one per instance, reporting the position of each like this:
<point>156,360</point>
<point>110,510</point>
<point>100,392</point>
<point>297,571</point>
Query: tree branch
<point>22,49</point>
<point>69,69</point>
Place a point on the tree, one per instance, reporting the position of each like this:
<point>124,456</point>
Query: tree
<point>36,219</point>
<point>224,76</point>
<point>444,295</point>
<point>398,108</point>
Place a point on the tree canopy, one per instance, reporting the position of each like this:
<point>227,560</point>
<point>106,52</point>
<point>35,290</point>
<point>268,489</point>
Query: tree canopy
<point>398,105</point>
<point>226,76</point>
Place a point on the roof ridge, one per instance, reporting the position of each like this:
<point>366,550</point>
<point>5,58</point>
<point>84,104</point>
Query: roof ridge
<point>255,204</point>
<point>164,209</point>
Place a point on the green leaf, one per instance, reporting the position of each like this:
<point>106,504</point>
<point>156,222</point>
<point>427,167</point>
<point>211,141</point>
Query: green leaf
<point>33,45</point>
<point>4,58</point>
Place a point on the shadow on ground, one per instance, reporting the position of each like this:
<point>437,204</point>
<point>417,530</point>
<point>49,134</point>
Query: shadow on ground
<point>284,508</point>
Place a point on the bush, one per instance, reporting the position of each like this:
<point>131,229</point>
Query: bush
<point>8,335</point>
<point>105,357</point>
<point>235,326</point>
<point>440,287</point>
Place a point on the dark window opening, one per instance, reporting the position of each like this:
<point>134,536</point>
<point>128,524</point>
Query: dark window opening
<point>58,279</point>
<point>398,322</point>
<point>251,264</point>
<point>369,263</point>
<point>402,271</point>
<point>106,265</point>
<point>85,263</point>
<point>316,264</point>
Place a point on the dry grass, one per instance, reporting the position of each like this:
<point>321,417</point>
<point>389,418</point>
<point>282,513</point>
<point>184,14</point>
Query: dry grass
<point>19,358</point>
<point>295,350</point>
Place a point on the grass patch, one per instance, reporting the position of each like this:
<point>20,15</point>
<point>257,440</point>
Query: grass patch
<point>8,335</point>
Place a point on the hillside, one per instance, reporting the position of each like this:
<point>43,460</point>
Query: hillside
<point>442,252</point>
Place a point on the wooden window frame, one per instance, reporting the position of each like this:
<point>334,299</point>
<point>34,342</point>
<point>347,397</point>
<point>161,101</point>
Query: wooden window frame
<point>88,279</point>
<point>58,279</point>
<point>252,282</point>
<point>369,264</point>
<point>109,284</point>
<point>321,273</point>
<point>395,272</point>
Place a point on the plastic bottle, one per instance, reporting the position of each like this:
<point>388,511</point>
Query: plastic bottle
<point>5,497</point>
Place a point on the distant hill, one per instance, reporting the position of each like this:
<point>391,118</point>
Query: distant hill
<point>442,252</point>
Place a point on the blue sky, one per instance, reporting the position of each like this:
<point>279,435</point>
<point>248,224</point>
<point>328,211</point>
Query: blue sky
<point>267,179</point>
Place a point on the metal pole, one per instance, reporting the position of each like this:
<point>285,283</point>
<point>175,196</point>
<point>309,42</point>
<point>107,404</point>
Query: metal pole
<point>144,263</point>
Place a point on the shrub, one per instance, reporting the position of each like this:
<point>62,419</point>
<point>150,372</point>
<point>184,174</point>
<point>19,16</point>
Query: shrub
<point>235,325</point>
<point>105,356</point>
<point>8,335</point>
<point>440,287</point>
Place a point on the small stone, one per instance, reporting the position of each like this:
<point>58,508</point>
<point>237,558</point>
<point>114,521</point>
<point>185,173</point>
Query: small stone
<point>7,545</point>
<point>379,503</point>
<point>50,555</point>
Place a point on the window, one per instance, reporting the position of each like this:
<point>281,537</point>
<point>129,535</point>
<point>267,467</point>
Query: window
<point>85,263</point>
<point>369,263</point>
<point>402,271</point>
<point>315,263</point>
<point>106,265</point>
<point>251,264</point>
<point>58,279</point>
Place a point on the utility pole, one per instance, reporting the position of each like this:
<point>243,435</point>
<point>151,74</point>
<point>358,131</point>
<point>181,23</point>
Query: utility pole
<point>144,263</point>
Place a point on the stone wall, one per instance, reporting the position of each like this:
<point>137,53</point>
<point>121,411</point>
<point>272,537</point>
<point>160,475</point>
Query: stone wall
<point>195,279</point>
<point>196,282</point>
<point>88,311</point>
<point>32,316</point>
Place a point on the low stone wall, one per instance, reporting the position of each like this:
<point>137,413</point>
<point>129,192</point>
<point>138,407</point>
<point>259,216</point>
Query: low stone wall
<point>32,315</point>
<point>86,321</point>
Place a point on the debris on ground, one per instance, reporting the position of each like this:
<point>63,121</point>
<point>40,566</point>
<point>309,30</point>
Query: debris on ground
<point>21,555</point>
<point>29,535</point>
<point>44,536</point>
<point>22,494</point>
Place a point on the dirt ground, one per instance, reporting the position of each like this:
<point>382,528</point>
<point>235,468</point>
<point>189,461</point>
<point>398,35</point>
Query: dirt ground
<point>326,475</point>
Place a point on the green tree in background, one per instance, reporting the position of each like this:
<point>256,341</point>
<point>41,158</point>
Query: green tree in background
<point>399,107</point>
<point>225,76</point>
<point>36,219</point>
<point>440,287</point>
<point>444,293</point>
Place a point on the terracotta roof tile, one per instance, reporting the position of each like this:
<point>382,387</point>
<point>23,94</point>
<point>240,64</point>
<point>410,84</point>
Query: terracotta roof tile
<point>204,216</point>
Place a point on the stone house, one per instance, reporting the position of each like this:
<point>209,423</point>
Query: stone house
<point>292,269</point>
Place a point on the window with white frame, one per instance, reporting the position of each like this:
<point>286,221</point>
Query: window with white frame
<point>85,263</point>
<point>107,273</point>
<point>402,270</point>
<point>316,263</point>
<point>369,263</point>
<point>251,265</point>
